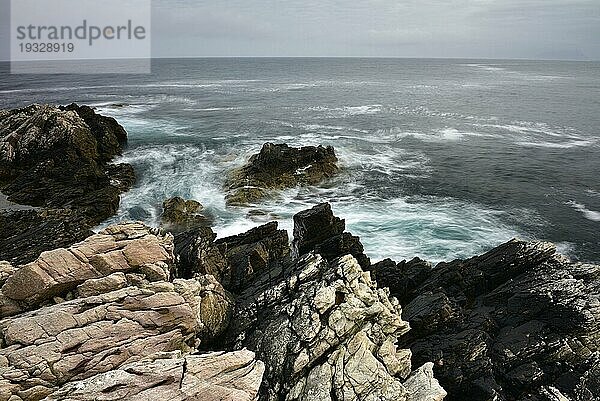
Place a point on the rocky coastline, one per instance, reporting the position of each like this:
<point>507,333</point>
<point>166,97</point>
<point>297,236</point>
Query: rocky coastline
<point>173,313</point>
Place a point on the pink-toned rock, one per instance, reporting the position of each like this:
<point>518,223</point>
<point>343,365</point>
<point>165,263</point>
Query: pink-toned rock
<point>126,248</point>
<point>218,376</point>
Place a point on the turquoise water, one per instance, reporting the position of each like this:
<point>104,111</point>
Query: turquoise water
<point>440,158</point>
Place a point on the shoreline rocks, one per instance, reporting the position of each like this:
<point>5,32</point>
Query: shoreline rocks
<point>519,322</point>
<point>279,166</point>
<point>135,313</point>
<point>105,304</point>
<point>58,160</point>
<point>131,311</point>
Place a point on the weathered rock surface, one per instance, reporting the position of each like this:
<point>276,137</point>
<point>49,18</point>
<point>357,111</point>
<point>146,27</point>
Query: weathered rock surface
<point>232,260</point>
<point>519,322</point>
<point>280,166</point>
<point>323,328</point>
<point>318,230</point>
<point>181,215</point>
<point>58,158</point>
<point>105,302</point>
<point>326,332</point>
<point>263,248</point>
<point>127,248</point>
<point>234,376</point>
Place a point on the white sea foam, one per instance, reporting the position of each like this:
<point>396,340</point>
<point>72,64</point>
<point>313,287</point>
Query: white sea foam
<point>588,214</point>
<point>432,228</point>
<point>558,145</point>
<point>486,67</point>
<point>347,111</point>
<point>566,248</point>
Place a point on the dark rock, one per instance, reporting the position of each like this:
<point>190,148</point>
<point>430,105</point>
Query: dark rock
<point>519,322</point>
<point>138,213</point>
<point>109,134</point>
<point>181,215</point>
<point>277,167</point>
<point>404,278</point>
<point>261,249</point>
<point>314,226</point>
<point>318,230</point>
<point>24,234</point>
<point>197,254</point>
<point>58,158</point>
<point>233,261</point>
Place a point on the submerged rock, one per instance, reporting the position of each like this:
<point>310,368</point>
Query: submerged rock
<point>504,325</point>
<point>280,166</point>
<point>181,215</point>
<point>57,158</point>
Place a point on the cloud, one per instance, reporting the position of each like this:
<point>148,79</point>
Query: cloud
<point>435,28</point>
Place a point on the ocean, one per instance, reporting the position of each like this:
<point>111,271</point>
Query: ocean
<point>440,159</point>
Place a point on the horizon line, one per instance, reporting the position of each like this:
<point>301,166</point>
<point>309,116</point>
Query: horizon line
<point>314,57</point>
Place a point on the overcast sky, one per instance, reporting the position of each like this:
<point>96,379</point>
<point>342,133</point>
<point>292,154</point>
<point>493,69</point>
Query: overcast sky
<point>555,29</point>
<point>391,28</point>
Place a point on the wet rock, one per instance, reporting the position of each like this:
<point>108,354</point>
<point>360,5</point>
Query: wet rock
<point>318,230</point>
<point>280,166</point>
<point>214,376</point>
<point>57,158</point>
<point>519,322</point>
<point>181,215</point>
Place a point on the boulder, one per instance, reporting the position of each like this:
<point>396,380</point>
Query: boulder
<point>181,215</point>
<point>279,166</point>
<point>57,158</point>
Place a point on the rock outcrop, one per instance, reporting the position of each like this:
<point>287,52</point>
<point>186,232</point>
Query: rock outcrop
<point>519,322</point>
<point>279,166</point>
<point>318,230</point>
<point>321,326</point>
<point>218,376</point>
<point>232,260</point>
<point>105,309</point>
<point>326,332</point>
<point>57,158</point>
<point>181,215</point>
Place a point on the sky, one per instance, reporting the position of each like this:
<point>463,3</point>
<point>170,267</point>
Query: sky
<point>565,29</point>
<point>531,29</point>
